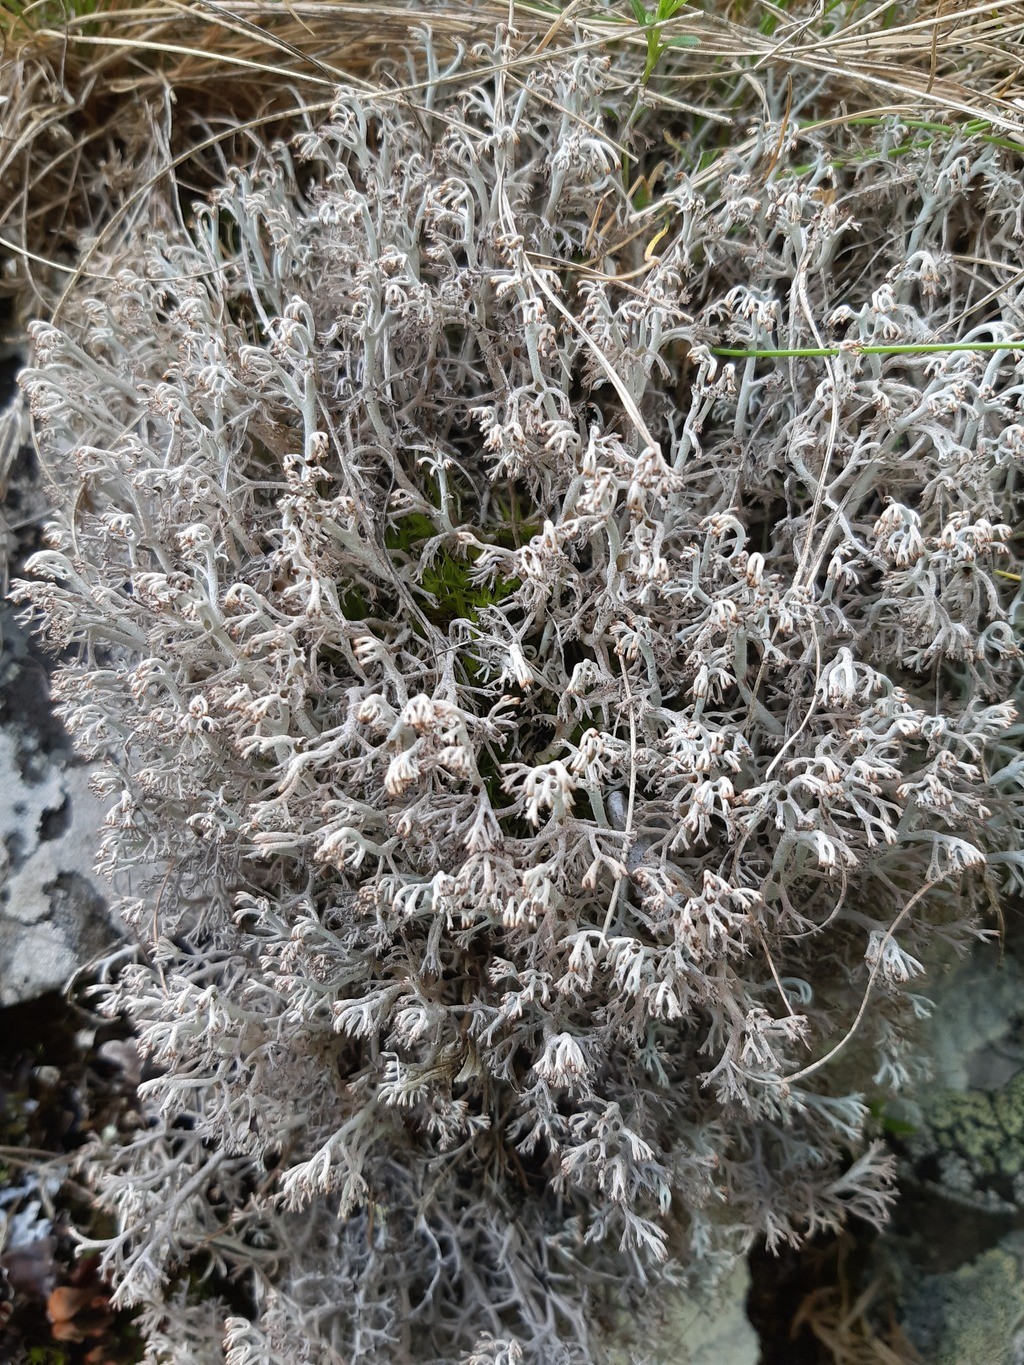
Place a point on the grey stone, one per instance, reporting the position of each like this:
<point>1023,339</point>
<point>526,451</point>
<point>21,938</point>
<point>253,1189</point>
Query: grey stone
<point>53,906</point>
<point>972,1314</point>
<point>965,1129</point>
<point>694,1327</point>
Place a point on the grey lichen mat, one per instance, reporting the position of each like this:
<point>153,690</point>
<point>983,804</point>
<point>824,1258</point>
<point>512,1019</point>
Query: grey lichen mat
<point>543,750</point>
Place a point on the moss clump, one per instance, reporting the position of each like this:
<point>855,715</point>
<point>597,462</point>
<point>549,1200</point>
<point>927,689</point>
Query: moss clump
<point>441,578</point>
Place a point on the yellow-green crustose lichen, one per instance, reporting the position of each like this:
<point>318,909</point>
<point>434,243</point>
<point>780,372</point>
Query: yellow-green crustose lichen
<point>977,1139</point>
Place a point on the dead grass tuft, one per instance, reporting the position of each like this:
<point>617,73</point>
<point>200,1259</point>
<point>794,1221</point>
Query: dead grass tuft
<point>102,101</point>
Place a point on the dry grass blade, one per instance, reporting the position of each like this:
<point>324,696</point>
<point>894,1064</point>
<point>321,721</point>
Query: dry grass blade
<point>845,1329</point>
<point>961,58</point>
<point>68,78</point>
<point>83,97</point>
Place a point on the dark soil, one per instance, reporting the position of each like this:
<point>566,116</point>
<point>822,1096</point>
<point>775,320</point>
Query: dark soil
<point>62,1079</point>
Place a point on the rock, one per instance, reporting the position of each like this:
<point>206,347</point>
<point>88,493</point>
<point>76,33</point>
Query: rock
<point>972,1037</point>
<point>965,1128</point>
<point>691,1327</point>
<point>53,907</point>
<point>954,1269</point>
<point>975,1313</point>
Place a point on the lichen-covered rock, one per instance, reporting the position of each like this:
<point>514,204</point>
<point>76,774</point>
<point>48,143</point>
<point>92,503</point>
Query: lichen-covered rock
<point>971,1316</point>
<point>974,1140</point>
<point>964,1132</point>
<point>54,913</point>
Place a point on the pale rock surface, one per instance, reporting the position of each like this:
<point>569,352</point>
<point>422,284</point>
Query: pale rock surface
<point>691,1328</point>
<point>53,907</point>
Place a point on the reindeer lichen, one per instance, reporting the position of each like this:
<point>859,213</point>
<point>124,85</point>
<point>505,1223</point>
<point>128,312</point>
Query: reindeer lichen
<point>541,753</point>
